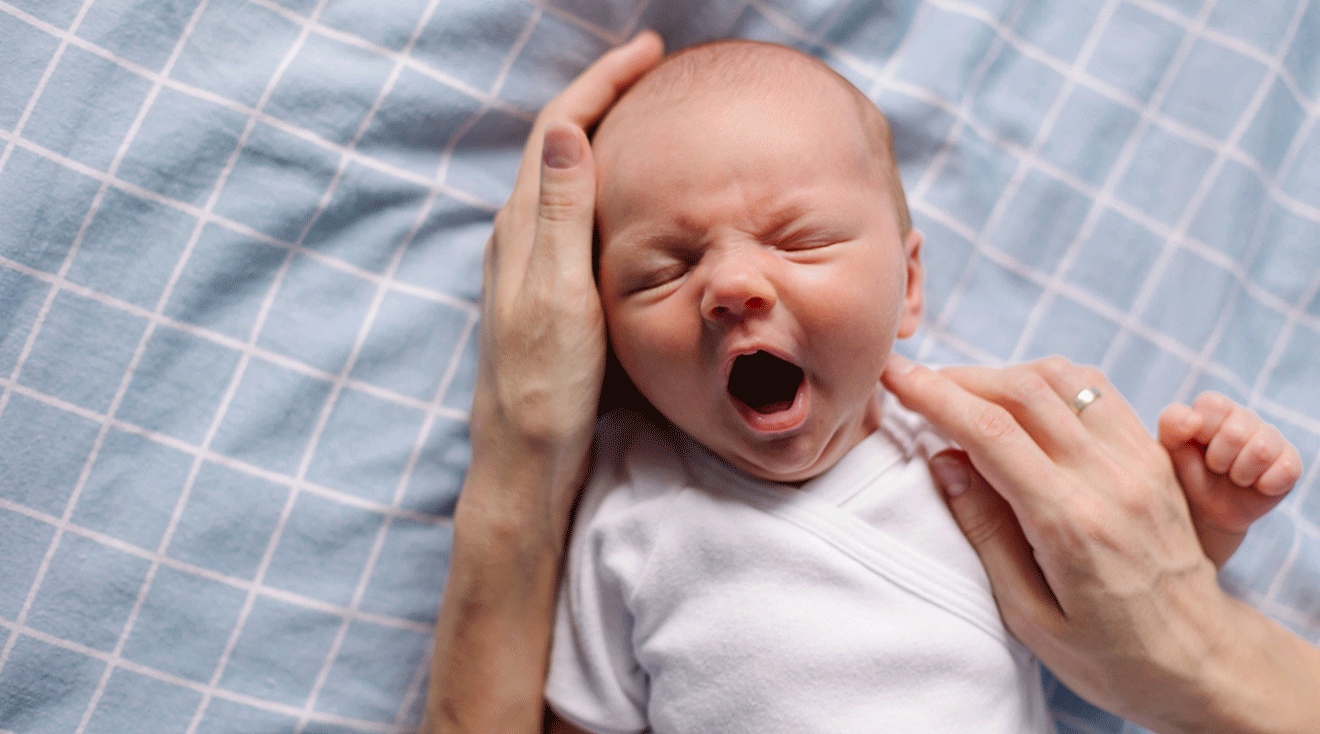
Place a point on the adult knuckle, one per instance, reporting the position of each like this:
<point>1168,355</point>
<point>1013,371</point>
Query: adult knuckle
<point>1092,375</point>
<point>1055,365</point>
<point>559,204</point>
<point>1026,386</point>
<point>993,423</point>
<point>981,526</point>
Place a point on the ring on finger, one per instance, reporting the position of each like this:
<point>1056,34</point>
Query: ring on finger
<point>1084,398</point>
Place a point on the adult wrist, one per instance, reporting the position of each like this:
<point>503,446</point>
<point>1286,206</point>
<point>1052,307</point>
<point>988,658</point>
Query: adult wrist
<point>1261,679</point>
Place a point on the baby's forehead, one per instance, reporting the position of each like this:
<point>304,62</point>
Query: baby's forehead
<point>706,73</point>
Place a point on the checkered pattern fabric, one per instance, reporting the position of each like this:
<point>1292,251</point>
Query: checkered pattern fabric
<point>240,259</point>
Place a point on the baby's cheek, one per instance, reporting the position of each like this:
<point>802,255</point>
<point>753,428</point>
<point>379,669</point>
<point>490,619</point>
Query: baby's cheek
<point>648,345</point>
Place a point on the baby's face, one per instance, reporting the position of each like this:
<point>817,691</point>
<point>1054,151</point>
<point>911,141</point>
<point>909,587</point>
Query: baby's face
<point>752,271</point>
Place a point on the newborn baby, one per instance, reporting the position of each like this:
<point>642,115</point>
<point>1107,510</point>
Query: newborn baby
<point>769,554</point>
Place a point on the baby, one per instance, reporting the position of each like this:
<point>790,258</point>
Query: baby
<point>773,556</point>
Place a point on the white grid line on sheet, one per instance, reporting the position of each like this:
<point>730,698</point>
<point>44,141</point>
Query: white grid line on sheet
<point>1117,96</point>
<point>416,683</point>
<point>1309,484</point>
<point>26,351</point>
<point>236,582</point>
<point>630,28</point>
<point>41,85</point>
<point>1297,313</point>
<point>1230,42</point>
<point>419,676</point>
<point>962,119</point>
<point>447,156</point>
<point>401,487</point>
<point>1156,273</point>
<point>398,57</point>
<point>1269,602</point>
<point>211,201</point>
<point>1290,310</point>
<point>210,217</point>
<point>916,196</point>
<point>282,125</point>
<point>203,454</point>
<point>1162,120</point>
<point>1026,162</point>
<point>232,696</point>
<point>133,130</point>
<point>296,488</point>
<point>1162,340</point>
<point>242,229</point>
<point>1174,241</point>
<point>1105,197</point>
<point>884,78</point>
<point>1102,197</point>
<point>1074,75</point>
<point>571,19</point>
<point>878,76</point>
<point>230,342</point>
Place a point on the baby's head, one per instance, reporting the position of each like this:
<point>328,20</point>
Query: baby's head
<point>756,257</point>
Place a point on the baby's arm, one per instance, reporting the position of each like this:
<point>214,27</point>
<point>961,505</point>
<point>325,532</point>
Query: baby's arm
<point>1233,467</point>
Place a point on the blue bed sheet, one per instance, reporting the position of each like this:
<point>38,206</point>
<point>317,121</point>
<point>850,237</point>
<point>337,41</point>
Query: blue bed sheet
<point>240,246</point>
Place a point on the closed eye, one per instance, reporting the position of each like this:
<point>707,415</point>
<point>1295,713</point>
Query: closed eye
<point>808,240</point>
<point>657,277</point>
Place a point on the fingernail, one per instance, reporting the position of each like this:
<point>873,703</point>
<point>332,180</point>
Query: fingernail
<point>899,365</point>
<point>561,149</point>
<point>950,475</point>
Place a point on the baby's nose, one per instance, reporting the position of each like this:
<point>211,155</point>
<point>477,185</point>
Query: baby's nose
<point>737,291</point>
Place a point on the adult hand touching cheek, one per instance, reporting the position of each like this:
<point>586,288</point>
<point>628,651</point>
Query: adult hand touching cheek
<point>1086,536</point>
<point>533,412</point>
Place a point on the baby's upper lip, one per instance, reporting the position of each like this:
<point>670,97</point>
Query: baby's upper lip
<point>733,353</point>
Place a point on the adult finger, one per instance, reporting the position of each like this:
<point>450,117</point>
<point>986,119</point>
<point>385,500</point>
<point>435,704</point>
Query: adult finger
<point>999,448</point>
<point>1107,416</point>
<point>565,209</point>
<point>586,99</point>
<point>1033,401</point>
<point>1024,597</point>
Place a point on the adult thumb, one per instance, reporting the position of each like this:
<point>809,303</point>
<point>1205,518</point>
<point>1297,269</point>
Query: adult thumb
<point>988,522</point>
<point>568,184</point>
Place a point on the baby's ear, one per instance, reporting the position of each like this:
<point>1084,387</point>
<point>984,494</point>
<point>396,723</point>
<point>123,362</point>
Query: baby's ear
<point>913,296</point>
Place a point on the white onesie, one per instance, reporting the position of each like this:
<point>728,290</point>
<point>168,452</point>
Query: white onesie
<point>697,599</point>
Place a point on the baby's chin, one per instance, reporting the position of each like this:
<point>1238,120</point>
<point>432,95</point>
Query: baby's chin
<point>796,469</point>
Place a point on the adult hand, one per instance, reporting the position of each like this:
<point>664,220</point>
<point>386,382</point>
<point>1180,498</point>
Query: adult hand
<point>533,412</point>
<point>542,331</point>
<point>1088,543</point>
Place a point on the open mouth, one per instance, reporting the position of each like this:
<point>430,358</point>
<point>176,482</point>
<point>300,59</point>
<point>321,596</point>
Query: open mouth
<point>765,383</point>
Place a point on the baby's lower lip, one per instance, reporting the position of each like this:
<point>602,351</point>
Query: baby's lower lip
<point>779,421</point>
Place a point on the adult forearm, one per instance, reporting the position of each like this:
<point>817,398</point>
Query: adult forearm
<point>493,632</point>
<point>1264,680</point>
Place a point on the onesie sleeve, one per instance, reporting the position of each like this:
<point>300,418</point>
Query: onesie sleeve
<point>595,680</point>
